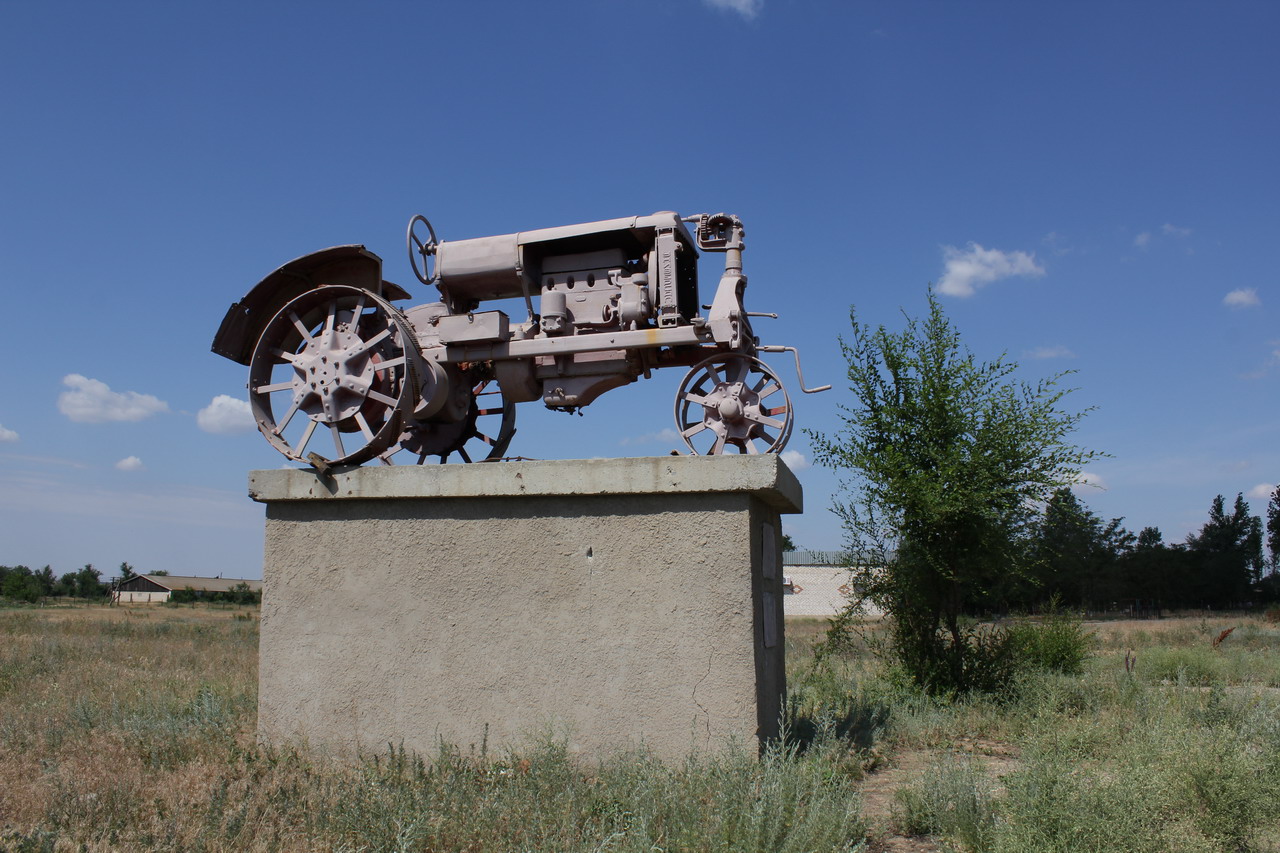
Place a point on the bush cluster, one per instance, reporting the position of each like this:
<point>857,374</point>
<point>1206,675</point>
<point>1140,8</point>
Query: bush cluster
<point>21,583</point>
<point>979,658</point>
<point>238,594</point>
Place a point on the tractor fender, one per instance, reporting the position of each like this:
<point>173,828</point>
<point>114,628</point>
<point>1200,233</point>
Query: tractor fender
<point>352,265</point>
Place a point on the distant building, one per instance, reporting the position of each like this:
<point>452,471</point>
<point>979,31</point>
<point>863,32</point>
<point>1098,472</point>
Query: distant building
<point>150,589</point>
<point>816,583</point>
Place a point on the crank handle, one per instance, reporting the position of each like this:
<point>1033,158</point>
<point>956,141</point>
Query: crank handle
<point>769,314</point>
<point>799,373</point>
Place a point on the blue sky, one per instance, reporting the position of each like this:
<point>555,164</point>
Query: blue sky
<point>1090,186</point>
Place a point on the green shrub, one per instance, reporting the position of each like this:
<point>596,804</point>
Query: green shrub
<point>1228,788</point>
<point>988,659</point>
<point>1195,667</point>
<point>1056,803</point>
<point>1059,643</point>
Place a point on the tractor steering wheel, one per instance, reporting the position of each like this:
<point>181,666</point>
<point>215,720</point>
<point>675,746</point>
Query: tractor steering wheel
<point>421,249</point>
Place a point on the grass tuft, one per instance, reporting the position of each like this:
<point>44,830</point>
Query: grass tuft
<point>953,799</point>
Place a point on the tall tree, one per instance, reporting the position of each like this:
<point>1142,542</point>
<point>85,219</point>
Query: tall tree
<point>947,457</point>
<point>47,580</point>
<point>1227,554</point>
<point>1273,531</point>
<point>1077,554</point>
<point>1064,547</point>
<point>1149,538</point>
<point>88,582</point>
<point>1155,573</point>
<point>20,584</point>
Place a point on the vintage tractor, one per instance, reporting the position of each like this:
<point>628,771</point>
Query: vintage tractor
<point>329,352</point>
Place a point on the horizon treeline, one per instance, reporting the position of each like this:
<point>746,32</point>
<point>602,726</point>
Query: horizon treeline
<point>1076,560</point>
<point>21,583</point>
<point>1070,557</point>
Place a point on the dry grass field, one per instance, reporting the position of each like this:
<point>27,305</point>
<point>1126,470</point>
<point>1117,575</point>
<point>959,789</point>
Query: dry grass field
<point>132,729</point>
<point>117,724</point>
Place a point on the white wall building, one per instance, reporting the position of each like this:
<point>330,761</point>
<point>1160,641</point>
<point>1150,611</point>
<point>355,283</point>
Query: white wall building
<point>818,584</point>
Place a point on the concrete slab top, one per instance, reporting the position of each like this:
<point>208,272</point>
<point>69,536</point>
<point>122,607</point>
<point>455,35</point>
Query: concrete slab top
<point>765,476</point>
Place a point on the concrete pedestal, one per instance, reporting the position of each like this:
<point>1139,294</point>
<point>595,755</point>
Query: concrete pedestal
<point>611,602</point>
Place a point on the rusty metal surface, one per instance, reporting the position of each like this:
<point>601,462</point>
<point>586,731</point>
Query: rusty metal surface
<point>331,356</point>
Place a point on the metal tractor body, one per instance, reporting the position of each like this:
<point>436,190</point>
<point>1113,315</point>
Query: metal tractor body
<point>329,352</point>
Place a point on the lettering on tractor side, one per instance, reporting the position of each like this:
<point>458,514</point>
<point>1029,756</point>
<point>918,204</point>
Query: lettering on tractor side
<point>339,374</point>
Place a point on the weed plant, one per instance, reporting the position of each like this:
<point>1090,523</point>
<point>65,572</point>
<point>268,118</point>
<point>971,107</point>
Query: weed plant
<point>954,799</point>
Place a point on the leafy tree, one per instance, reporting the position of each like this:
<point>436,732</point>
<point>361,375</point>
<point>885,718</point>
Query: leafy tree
<point>86,583</point>
<point>47,580</point>
<point>20,584</point>
<point>1076,555</point>
<point>1269,587</point>
<point>1149,538</point>
<point>241,594</point>
<point>1154,572</point>
<point>788,544</point>
<point>1065,547</point>
<point>947,458</point>
<point>1273,531</point>
<point>1227,554</point>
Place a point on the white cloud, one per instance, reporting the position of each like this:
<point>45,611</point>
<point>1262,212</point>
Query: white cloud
<point>90,401</point>
<point>1058,351</point>
<point>226,415</point>
<point>7,434</point>
<point>746,8</point>
<point>1091,480</point>
<point>1143,240</point>
<point>652,437</point>
<point>1261,492</point>
<point>971,268</point>
<point>796,460</point>
<point>1242,297</point>
<point>129,463</point>
<point>1266,367</point>
<point>1056,243</point>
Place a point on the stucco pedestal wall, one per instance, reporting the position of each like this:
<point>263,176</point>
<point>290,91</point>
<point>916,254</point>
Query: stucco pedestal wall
<point>611,602</point>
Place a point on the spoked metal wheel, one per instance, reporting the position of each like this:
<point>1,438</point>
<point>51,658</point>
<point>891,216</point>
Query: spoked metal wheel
<point>482,436</point>
<point>730,400</point>
<point>332,362</point>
